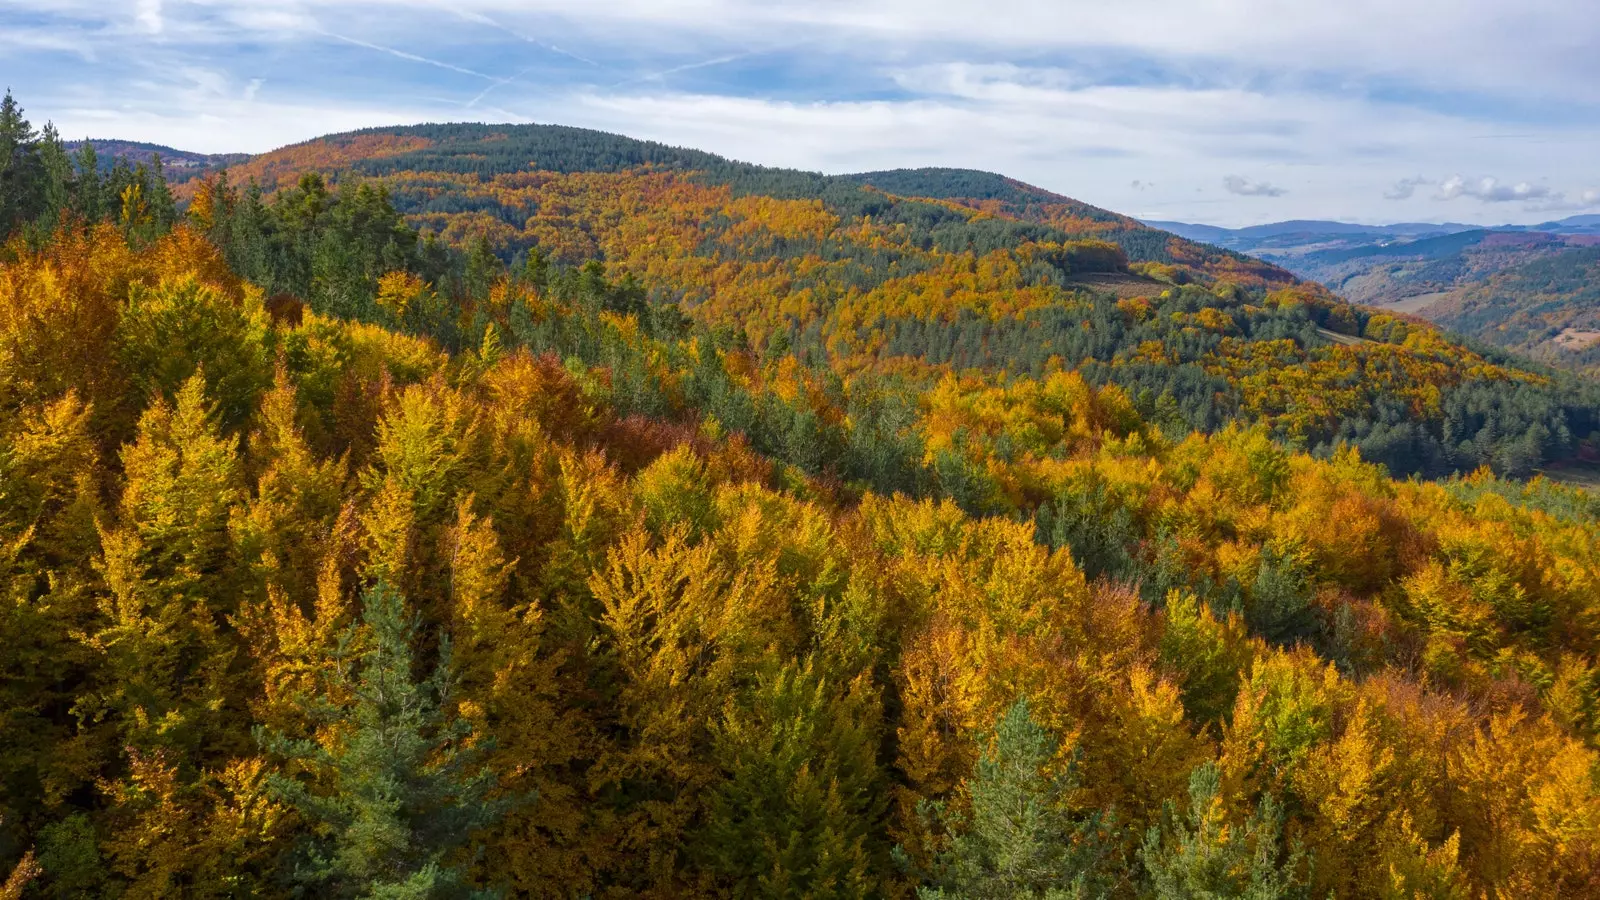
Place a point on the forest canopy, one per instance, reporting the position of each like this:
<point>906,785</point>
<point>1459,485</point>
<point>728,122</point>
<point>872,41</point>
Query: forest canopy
<point>713,543</point>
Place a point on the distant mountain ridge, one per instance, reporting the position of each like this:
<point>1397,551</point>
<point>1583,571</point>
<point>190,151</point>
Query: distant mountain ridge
<point>179,165</point>
<point>1530,288</point>
<point>1235,237</point>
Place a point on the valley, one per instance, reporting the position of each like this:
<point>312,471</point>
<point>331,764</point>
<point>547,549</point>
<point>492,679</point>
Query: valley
<point>1525,288</point>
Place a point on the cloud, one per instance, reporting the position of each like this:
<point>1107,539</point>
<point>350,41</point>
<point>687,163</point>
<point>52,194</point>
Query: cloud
<point>148,14</point>
<point>1490,190</point>
<point>1585,200</point>
<point>1136,105</point>
<point>1244,187</point>
<point>1405,188</point>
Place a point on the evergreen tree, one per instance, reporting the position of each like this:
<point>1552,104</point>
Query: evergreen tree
<point>797,812</point>
<point>1280,600</point>
<point>56,181</point>
<point>18,162</point>
<point>88,196</point>
<point>392,790</point>
<point>1209,857</point>
<point>1021,840</point>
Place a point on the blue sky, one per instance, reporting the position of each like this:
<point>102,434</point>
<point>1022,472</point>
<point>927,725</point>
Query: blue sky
<point>1229,112</point>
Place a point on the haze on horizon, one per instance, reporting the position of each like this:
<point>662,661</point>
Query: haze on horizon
<point>1226,113</point>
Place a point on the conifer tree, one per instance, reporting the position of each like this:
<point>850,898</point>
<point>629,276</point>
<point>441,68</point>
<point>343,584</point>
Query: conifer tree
<point>392,789</point>
<point>17,163</point>
<point>1207,856</point>
<point>88,197</point>
<point>1020,839</point>
<point>797,812</point>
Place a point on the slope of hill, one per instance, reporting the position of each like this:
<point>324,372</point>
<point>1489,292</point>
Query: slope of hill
<point>490,165</point>
<point>1407,273</point>
<point>178,165</point>
<point>1525,288</point>
<point>920,272</point>
<point>1548,307</point>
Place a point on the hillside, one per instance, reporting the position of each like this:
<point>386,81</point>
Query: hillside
<point>785,540</point>
<point>1524,288</point>
<point>488,190</point>
<point>918,272</point>
<point>1547,307</point>
<point>178,165</point>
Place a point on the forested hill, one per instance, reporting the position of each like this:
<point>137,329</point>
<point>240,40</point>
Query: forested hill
<point>480,156</point>
<point>177,165</point>
<point>918,272</point>
<point>1529,289</point>
<point>744,545</point>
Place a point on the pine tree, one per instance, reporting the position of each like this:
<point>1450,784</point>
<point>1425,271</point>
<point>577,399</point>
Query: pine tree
<point>797,813</point>
<point>18,158</point>
<point>1020,840</point>
<point>1207,856</point>
<point>56,181</point>
<point>392,789</point>
<point>88,198</point>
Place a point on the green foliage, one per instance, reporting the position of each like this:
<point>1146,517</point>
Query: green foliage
<point>799,811</point>
<point>393,789</point>
<point>1279,607</point>
<point>1206,855</point>
<point>70,858</point>
<point>1020,838</point>
<point>1206,655</point>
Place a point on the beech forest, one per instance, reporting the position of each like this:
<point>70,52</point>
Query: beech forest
<point>526,512</point>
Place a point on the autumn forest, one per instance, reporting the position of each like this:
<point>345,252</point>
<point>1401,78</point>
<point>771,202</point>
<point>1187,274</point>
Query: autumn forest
<point>522,511</point>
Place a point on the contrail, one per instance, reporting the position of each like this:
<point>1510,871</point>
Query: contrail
<point>704,64</point>
<point>498,83</point>
<point>407,56</point>
<point>482,19</point>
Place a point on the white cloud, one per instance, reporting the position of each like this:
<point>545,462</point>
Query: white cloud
<point>148,14</point>
<point>1490,190</point>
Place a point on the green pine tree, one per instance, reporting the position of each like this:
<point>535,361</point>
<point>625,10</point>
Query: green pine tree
<point>19,178</point>
<point>394,790</point>
<point>88,199</point>
<point>802,795</point>
<point>1209,857</point>
<point>1021,839</point>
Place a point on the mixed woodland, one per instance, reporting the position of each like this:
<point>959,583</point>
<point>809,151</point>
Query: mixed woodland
<point>462,511</point>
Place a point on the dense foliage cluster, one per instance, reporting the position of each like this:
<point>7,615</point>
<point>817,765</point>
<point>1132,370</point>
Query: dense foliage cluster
<point>340,562</point>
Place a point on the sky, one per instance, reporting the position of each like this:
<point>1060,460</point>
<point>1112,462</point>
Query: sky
<point>1226,112</point>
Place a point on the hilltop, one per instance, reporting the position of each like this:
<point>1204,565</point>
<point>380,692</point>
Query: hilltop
<point>484,162</point>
